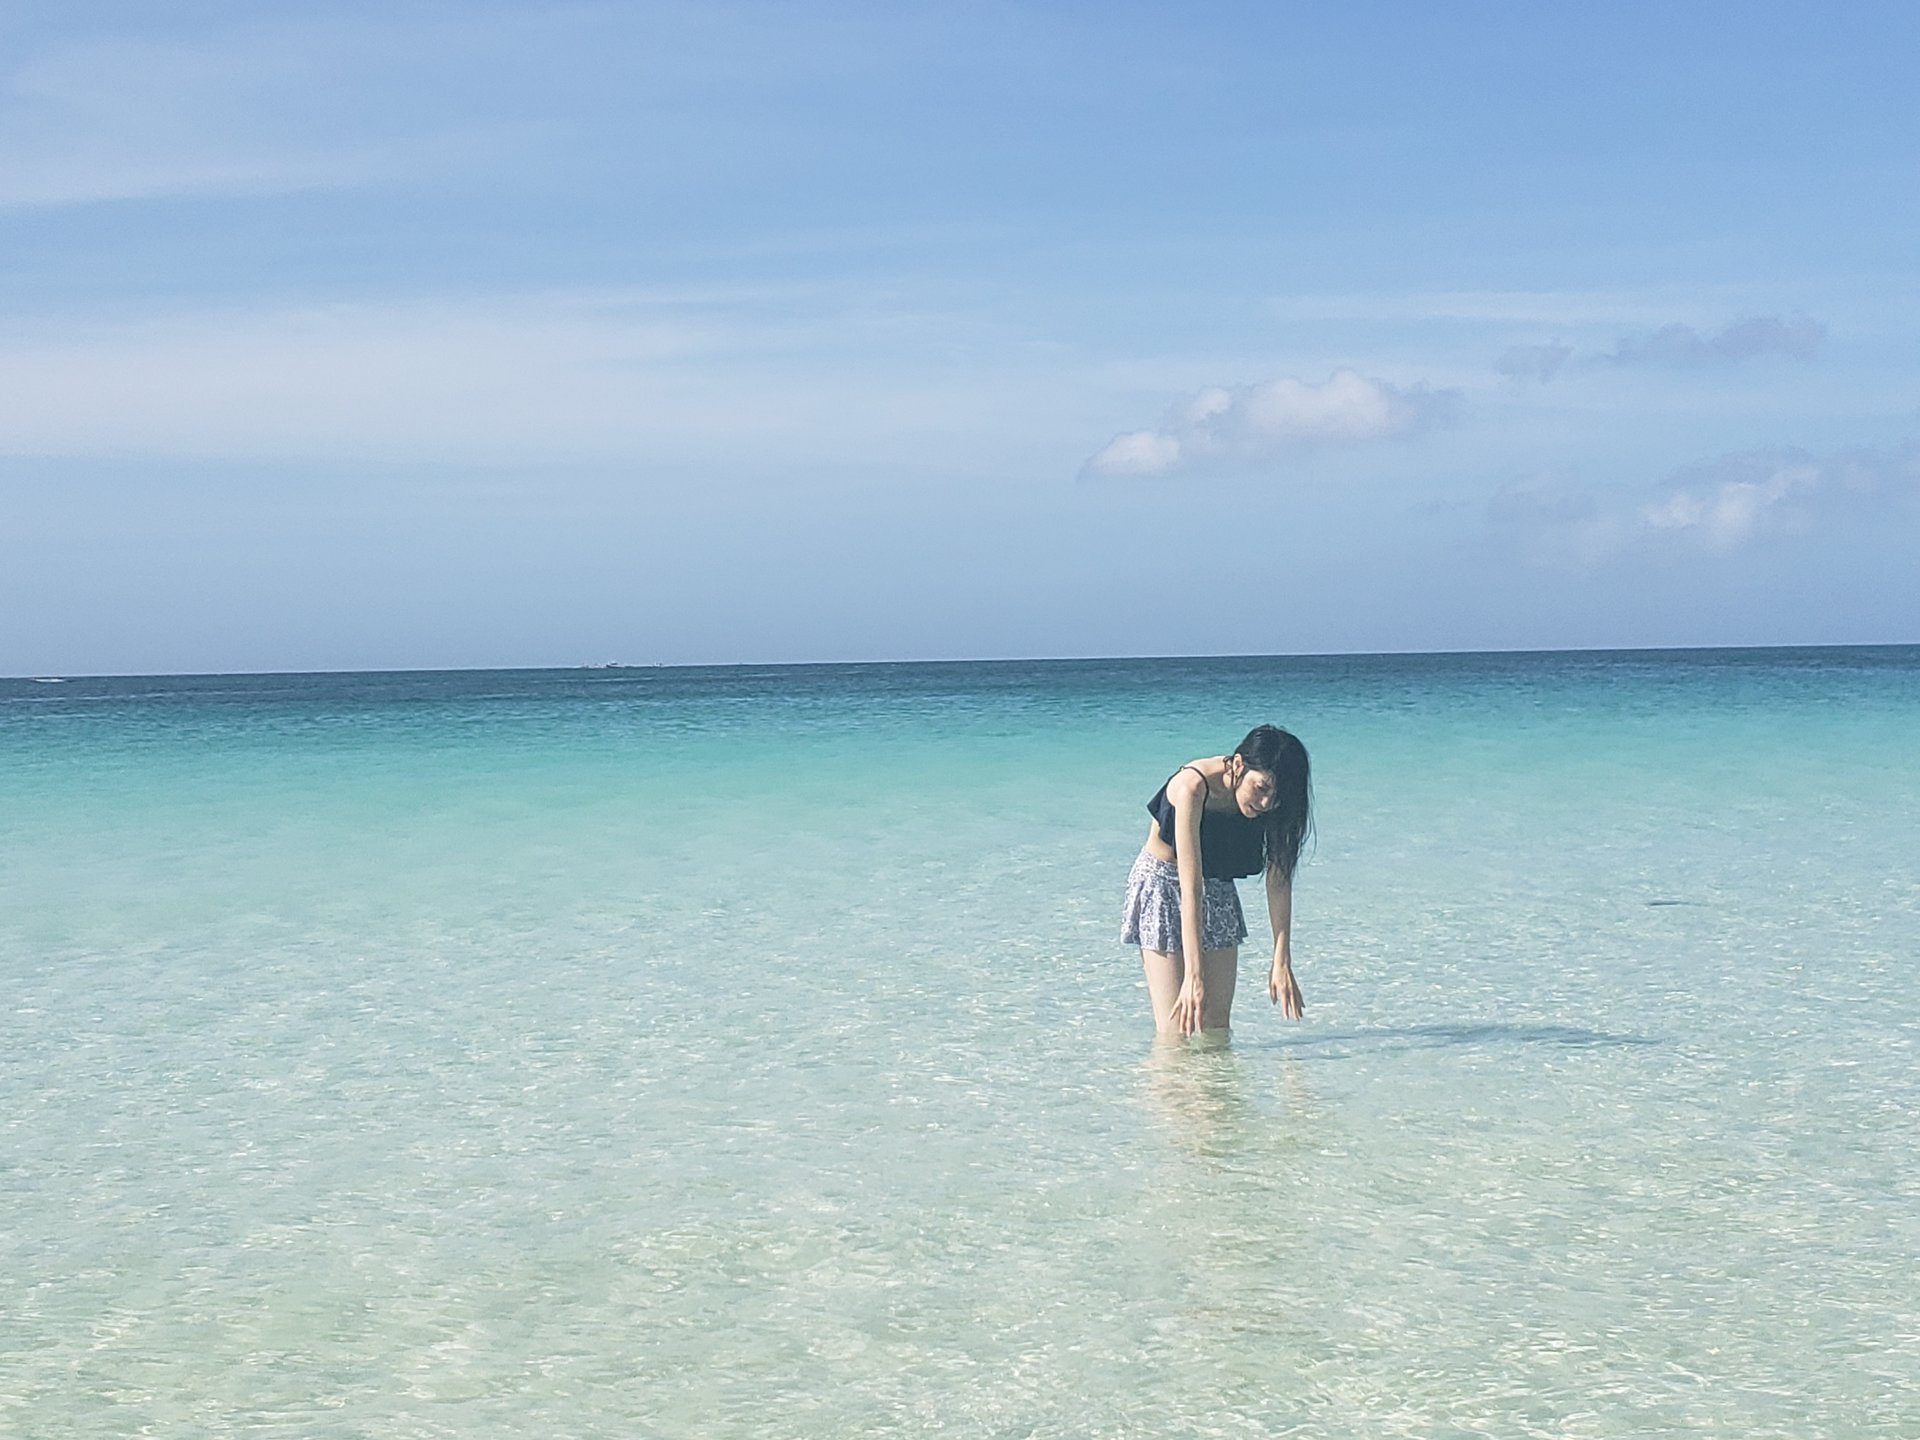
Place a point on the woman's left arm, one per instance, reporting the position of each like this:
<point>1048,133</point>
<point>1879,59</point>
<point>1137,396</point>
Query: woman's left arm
<point>1282,990</point>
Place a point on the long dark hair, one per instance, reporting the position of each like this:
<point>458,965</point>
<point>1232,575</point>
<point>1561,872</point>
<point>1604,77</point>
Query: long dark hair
<point>1279,753</point>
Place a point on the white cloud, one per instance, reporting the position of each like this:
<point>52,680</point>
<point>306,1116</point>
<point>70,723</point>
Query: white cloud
<point>1252,423</point>
<point>1140,452</point>
<point>1727,502</point>
<point>1717,506</point>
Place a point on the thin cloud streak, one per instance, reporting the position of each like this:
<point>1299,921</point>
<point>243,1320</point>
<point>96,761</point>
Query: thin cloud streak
<point>1542,307</point>
<point>1683,347</point>
<point>1533,362</point>
<point>518,379</point>
<point>259,109</point>
<point>1673,347</point>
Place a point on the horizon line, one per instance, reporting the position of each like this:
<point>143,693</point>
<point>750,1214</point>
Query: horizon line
<point>617,665</point>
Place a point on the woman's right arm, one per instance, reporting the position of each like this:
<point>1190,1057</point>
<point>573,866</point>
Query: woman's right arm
<point>1188,792</point>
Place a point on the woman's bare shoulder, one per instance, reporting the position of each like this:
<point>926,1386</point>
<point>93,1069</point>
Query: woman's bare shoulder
<point>1188,783</point>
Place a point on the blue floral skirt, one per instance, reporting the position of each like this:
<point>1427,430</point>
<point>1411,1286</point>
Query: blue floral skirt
<point>1151,919</point>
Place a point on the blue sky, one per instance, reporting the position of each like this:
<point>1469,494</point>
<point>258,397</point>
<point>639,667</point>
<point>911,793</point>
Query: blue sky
<point>367,336</point>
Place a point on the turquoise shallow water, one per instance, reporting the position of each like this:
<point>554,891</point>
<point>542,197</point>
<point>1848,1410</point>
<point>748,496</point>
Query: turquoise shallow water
<point>750,1052</point>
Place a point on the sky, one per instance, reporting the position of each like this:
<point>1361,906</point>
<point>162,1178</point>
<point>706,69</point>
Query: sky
<point>397,335</point>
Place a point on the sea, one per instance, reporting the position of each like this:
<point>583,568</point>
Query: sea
<point>751,1051</point>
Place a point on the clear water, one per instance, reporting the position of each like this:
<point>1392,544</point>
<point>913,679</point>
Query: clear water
<point>750,1052</point>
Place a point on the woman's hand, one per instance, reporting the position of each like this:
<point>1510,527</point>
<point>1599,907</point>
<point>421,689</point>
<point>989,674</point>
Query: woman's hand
<point>1282,990</point>
<point>1190,1004</point>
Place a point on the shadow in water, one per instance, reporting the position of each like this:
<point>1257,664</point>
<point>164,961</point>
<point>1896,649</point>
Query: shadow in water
<point>1436,1037</point>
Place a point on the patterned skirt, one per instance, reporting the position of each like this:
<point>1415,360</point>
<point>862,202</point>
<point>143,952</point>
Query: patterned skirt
<point>1151,919</point>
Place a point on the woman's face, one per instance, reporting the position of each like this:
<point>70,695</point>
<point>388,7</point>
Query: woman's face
<point>1256,791</point>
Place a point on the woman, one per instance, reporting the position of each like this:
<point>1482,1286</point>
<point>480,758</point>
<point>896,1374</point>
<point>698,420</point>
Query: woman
<point>1214,821</point>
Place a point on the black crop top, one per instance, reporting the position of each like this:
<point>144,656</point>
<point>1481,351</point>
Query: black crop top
<point>1231,845</point>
